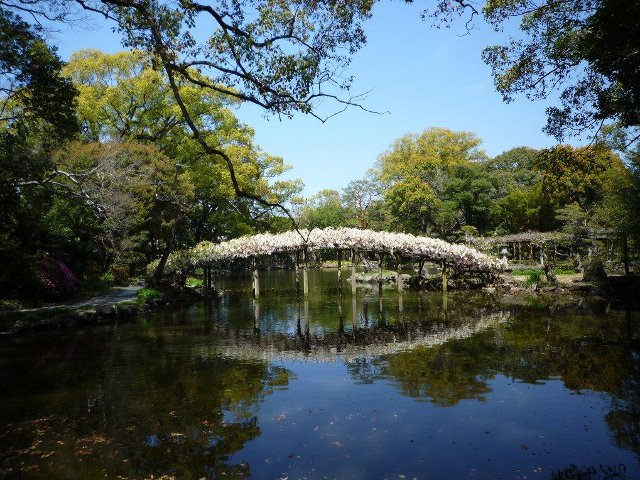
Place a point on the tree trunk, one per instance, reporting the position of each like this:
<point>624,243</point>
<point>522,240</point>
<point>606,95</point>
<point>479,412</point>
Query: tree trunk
<point>625,254</point>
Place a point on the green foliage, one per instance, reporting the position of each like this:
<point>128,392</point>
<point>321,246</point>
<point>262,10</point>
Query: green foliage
<point>534,272</point>
<point>194,282</point>
<point>36,115</point>
<point>534,277</point>
<point>575,174</point>
<point>567,46</point>
<point>324,209</point>
<point>363,200</point>
<point>145,294</point>
<point>565,271</point>
<point>432,181</point>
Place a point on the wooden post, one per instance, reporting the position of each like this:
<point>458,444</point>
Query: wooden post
<point>519,252</point>
<point>380,258</point>
<point>399,284</point>
<point>209,279</point>
<point>354,315</point>
<point>542,255</point>
<point>256,315</point>
<point>353,271</point>
<point>297,273</point>
<point>256,278</point>
<point>305,273</point>
<point>625,254</point>
<point>444,276</point>
<point>339,270</point>
<point>340,316</point>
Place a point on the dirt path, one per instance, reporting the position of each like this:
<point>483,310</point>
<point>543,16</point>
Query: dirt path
<point>117,295</point>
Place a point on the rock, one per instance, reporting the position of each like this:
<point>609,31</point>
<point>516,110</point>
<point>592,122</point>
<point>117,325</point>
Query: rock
<point>19,326</point>
<point>127,310</point>
<point>105,311</point>
<point>84,315</point>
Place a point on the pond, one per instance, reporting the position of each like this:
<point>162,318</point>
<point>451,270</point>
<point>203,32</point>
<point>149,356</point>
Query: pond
<point>417,385</point>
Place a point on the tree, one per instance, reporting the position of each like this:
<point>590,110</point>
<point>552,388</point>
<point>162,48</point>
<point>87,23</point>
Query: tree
<point>363,201</point>
<point>415,172</point>
<point>586,50</point>
<point>523,209</point>
<point>134,191</point>
<point>36,115</point>
<point>515,167</point>
<point>518,204</point>
<point>575,175</point>
<point>620,204</point>
<point>324,209</point>
<point>123,98</point>
<point>471,188</point>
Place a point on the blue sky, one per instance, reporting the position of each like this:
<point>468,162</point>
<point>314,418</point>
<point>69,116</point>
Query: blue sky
<point>423,76</point>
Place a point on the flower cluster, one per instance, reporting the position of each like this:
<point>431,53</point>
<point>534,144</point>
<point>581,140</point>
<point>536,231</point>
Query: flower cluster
<point>54,278</point>
<point>403,244</point>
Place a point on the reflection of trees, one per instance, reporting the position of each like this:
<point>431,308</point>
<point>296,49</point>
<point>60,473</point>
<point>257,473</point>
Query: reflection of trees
<point>585,354</point>
<point>624,418</point>
<point>593,472</point>
<point>180,415</point>
<point>437,373</point>
<point>364,370</point>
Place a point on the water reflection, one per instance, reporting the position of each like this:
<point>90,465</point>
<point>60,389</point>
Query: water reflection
<point>425,386</point>
<point>120,406</point>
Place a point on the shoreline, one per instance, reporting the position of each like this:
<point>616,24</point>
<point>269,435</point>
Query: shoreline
<point>510,290</point>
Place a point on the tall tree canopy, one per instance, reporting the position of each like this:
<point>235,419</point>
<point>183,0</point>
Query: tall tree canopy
<point>587,51</point>
<point>416,172</point>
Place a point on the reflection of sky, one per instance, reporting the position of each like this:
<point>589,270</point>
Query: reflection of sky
<point>327,423</point>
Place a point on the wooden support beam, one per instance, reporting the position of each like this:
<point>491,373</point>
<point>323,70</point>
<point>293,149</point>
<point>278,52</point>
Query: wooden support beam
<point>305,272</point>
<point>297,273</point>
<point>444,277</point>
<point>256,315</point>
<point>399,282</point>
<point>339,270</point>
<point>353,271</point>
<point>256,278</point>
<point>380,260</point>
<point>354,315</point>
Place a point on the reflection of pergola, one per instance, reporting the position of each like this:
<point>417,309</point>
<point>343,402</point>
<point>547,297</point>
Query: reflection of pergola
<point>354,241</point>
<point>348,347</point>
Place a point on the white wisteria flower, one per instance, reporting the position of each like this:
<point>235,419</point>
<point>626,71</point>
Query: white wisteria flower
<point>403,244</point>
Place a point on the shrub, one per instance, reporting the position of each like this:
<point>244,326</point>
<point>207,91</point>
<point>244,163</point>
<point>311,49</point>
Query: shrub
<point>145,294</point>
<point>594,271</point>
<point>534,277</point>
<point>194,282</point>
<point>565,271</point>
<point>54,279</point>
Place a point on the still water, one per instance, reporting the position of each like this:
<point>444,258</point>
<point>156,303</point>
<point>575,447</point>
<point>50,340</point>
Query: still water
<point>397,387</point>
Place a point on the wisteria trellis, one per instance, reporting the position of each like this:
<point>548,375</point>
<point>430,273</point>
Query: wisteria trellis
<point>402,244</point>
